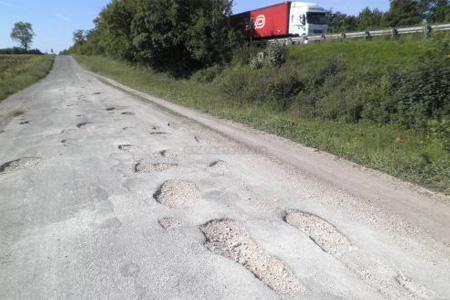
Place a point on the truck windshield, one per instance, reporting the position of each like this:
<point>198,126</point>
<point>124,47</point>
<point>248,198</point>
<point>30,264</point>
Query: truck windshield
<point>317,18</point>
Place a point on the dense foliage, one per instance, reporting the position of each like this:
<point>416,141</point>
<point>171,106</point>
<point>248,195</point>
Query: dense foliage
<point>17,50</point>
<point>168,35</point>
<point>401,13</point>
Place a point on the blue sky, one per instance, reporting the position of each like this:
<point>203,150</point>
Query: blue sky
<point>55,20</point>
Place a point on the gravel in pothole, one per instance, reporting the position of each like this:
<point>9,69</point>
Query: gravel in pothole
<point>169,223</point>
<point>19,164</point>
<point>325,235</point>
<point>220,164</point>
<point>169,153</point>
<point>84,125</point>
<point>148,167</point>
<point>128,148</point>
<point>177,193</point>
<point>230,239</point>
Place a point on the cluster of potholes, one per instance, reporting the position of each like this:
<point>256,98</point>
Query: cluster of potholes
<point>224,237</point>
<point>229,238</point>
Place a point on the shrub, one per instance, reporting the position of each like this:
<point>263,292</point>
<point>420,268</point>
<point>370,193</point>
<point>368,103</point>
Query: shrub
<point>255,63</point>
<point>423,95</point>
<point>207,75</point>
<point>441,129</point>
<point>284,87</point>
<point>243,55</point>
<point>233,82</point>
<point>17,50</point>
<point>277,52</point>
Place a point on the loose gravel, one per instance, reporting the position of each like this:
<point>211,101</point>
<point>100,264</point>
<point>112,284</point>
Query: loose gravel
<point>177,193</point>
<point>147,167</point>
<point>170,153</point>
<point>325,235</point>
<point>169,223</point>
<point>19,164</point>
<point>220,164</point>
<point>230,239</point>
<point>128,148</point>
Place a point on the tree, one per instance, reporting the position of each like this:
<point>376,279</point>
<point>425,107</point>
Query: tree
<point>406,13</point>
<point>78,37</point>
<point>339,22</point>
<point>181,36</point>
<point>370,19</point>
<point>437,11</point>
<point>113,26</point>
<point>174,36</point>
<point>23,33</point>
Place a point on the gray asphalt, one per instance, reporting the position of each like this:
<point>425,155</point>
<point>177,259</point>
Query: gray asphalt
<point>106,196</point>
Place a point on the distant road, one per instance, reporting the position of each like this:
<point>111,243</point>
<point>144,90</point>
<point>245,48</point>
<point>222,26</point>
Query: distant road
<point>105,195</point>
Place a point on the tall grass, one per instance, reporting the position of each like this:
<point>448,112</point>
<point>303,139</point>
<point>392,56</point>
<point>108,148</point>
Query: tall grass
<point>20,71</point>
<point>319,98</point>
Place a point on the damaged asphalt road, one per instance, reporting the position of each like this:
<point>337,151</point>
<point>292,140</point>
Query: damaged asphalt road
<point>106,196</point>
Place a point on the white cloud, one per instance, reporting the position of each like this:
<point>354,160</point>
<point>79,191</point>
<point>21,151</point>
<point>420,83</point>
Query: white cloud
<point>62,17</point>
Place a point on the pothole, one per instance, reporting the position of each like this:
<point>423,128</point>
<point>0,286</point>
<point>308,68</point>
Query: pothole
<point>158,133</point>
<point>97,93</point>
<point>17,113</point>
<point>169,153</point>
<point>174,125</point>
<point>84,125</point>
<point>169,223</point>
<point>128,113</point>
<point>414,288</point>
<point>230,239</point>
<point>128,148</point>
<point>177,193</point>
<point>25,122</point>
<point>19,164</point>
<point>67,130</point>
<point>146,167</point>
<point>219,164</point>
<point>110,108</point>
<point>325,235</point>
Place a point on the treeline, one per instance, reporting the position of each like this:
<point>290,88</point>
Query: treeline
<point>181,37</point>
<point>401,13</point>
<point>17,50</point>
<point>168,35</point>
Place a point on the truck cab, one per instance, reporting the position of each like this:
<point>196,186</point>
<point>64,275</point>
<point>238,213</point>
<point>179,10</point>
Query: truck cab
<point>307,19</point>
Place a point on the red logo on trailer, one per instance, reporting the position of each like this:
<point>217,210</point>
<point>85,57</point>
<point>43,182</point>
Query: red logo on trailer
<point>260,22</point>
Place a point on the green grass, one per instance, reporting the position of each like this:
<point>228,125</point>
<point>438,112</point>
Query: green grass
<point>20,71</point>
<point>421,158</point>
<point>379,54</point>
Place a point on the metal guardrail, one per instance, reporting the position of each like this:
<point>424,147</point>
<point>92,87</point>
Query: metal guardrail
<point>352,35</point>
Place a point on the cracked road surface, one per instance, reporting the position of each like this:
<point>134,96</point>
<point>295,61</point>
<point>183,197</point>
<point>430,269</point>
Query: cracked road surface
<point>104,195</point>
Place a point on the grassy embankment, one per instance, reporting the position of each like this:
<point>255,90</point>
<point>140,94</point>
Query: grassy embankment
<point>20,71</point>
<point>335,106</point>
